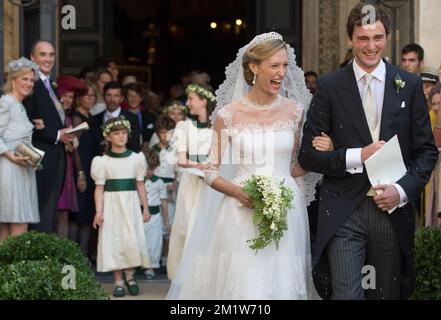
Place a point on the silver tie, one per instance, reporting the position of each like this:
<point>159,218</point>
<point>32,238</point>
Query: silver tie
<point>370,103</point>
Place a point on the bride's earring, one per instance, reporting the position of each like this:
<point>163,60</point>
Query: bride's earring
<point>254,79</point>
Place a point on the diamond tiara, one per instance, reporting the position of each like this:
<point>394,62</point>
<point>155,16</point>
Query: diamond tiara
<point>21,63</point>
<point>261,38</point>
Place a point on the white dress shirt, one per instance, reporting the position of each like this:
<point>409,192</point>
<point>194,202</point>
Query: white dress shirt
<point>156,191</point>
<point>110,115</point>
<point>168,160</point>
<point>354,163</point>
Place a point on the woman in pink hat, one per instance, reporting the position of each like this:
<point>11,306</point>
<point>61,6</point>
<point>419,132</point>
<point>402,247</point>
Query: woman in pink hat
<point>68,88</point>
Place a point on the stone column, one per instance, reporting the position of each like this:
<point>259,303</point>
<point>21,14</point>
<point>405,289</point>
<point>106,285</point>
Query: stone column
<point>345,7</point>
<point>428,13</point>
<point>328,36</point>
<point>310,35</point>
<point>48,25</point>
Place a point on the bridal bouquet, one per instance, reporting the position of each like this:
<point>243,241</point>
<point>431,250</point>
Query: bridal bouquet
<point>271,200</point>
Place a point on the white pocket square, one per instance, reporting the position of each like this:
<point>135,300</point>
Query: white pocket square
<point>403,105</point>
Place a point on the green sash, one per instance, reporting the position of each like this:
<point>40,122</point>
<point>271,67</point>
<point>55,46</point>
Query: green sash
<point>117,185</point>
<point>197,157</point>
<point>154,210</point>
<point>167,180</point>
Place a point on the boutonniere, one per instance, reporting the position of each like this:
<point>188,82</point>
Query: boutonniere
<point>54,85</point>
<point>399,83</point>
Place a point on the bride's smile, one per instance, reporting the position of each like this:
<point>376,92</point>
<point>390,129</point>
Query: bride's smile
<point>269,77</point>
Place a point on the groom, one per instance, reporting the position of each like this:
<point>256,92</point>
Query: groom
<point>362,251</point>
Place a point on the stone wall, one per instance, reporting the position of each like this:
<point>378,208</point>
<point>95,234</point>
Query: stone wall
<point>11,34</point>
<point>324,32</point>
<point>428,30</point>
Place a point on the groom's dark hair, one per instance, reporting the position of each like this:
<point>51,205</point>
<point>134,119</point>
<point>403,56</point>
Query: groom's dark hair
<point>358,16</point>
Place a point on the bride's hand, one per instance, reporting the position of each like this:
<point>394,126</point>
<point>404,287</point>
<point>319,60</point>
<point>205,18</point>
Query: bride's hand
<point>323,143</point>
<point>201,166</point>
<point>244,199</point>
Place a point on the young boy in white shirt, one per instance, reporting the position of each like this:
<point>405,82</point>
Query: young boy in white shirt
<point>157,200</point>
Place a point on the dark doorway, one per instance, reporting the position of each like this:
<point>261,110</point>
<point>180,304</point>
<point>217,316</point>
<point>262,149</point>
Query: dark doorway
<point>174,37</point>
<point>31,29</point>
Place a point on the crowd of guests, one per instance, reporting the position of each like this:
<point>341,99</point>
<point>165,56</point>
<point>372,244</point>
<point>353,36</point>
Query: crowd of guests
<point>60,193</point>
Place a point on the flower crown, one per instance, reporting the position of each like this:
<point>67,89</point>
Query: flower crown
<point>121,121</point>
<point>175,106</point>
<point>17,65</point>
<point>203,92</point>
<point>263,38</point>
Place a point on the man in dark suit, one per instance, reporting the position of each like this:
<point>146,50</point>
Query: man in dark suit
<point>113,96</point>
<point>44,104</point>
<point>362,251</point>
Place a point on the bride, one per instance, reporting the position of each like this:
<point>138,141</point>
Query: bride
<point>257,131</point>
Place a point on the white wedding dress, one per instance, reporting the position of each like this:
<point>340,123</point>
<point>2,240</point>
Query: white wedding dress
<point>218,263</point>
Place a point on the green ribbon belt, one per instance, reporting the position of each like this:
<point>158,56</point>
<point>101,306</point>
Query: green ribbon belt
<point>116,185</point>
<point>167,180</point>
<point>197,157</point>
<point>154,209</point>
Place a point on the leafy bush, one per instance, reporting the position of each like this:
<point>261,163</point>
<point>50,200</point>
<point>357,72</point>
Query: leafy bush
<point>31,267</point>
<point>427,264</point>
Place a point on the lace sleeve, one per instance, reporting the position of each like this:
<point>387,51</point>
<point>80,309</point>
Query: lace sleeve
<point>220,139</point>
<point>308,182</point>
<point>300,114</point>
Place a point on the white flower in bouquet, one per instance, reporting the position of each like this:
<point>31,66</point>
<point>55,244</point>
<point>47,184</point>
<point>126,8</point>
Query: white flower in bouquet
<point>271,201</point>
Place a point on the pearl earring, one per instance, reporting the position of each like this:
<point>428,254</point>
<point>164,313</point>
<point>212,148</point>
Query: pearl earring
<point>254,79</point>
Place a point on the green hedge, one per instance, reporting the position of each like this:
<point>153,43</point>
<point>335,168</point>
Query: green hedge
<point>31,268</point>
<point>428,264</point>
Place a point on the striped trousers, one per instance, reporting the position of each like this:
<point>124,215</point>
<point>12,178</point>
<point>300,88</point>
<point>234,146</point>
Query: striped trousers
<point>364,256</point>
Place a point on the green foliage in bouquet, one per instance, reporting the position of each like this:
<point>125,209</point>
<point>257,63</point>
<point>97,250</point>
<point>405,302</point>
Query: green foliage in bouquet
<point>31,267</point>
<point>427,264</point>
<point>271,202</point>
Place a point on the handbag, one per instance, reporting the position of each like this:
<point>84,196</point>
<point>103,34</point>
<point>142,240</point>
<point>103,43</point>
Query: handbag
<point>34,155</point>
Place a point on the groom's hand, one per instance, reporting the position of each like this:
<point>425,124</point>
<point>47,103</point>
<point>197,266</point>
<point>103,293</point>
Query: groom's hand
<point>368,151</point>
<point>388,197</point>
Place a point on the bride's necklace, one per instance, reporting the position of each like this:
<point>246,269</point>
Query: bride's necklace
<point>251,104</point>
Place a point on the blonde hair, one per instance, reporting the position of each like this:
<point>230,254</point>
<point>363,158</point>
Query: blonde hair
<point>8,87</point>
<point>259,53</point>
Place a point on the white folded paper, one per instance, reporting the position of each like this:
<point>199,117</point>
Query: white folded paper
<point>81,127</point>
<point>386,166</point>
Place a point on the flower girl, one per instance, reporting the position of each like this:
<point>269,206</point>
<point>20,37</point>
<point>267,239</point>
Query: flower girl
<point>119,178</point>
<point>193,139</point>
